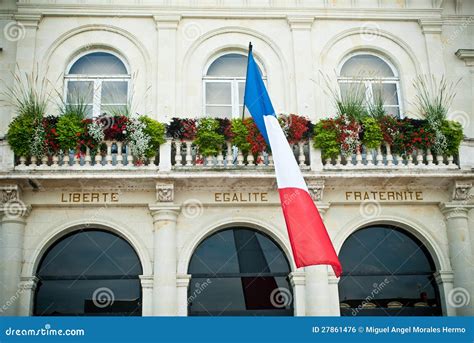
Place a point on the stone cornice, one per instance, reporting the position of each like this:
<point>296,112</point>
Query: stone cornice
<point>431,25</point>
<point>300,22</point>
<point>167,22</point>
<point>455,210</point>
<point>29,20</point>
<point>467,55</point>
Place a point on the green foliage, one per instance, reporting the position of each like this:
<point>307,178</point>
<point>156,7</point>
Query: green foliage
<point>21,132</point>
<point>240,133</point>
<point>373,136</point>
<point>208,139</point>
<point>69,128</point>
<point>156,131</point>
<point>453,132</point>
<point>326,138</point>
<point>375,108</point>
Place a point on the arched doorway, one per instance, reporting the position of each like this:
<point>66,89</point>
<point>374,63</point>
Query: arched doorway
<point>387,272</point>
<point>89,273</point>
<point>239,272</point>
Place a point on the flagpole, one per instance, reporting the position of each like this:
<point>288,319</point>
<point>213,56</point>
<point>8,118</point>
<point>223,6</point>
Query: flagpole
<point>246,76</point>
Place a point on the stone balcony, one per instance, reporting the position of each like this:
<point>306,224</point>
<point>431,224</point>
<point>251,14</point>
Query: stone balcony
<point>182,156</point>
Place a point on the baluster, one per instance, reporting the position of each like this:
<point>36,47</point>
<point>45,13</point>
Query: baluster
<point>440,160</point>
<point>419,158</point>
<point>229,158</point>
<point>270,160</point>
<point>22,162</point>
<point>33,162</point>
<point>410,160</point>
<point>358,162</point>
<point>429,158</point>
<point>55,161</point>
<point>119,157</point>
<point>250,159</point>
<point>108,156</point>
<point>389,156</point>
<point>369,158</point>
<point>44,161</point>
<point>189,155</point>
<point>66,160</point>
<point>240,158</point>
<point>450,162</point>
<point>260,159</point>
<point>399,160</point>
<point>220,157</point>
<point>76,160</point>
<point>338,161</point>
<point>87,158</point>
<point>178,158</point>
<point>301,157</point>
<point>379,156</point>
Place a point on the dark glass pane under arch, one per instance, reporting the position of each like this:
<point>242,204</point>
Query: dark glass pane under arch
<point>89,272</point>
<point>239,272</point>
<point>387,272</point>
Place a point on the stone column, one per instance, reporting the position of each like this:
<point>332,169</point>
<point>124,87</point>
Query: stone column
<point>297,281</point>
<point>445,280</point>
<point>182,283</point>
<point>164,259</point>
<point>27,26</point>
<point>334,294</point>
<point>166,26</point>
<point>13,214</point>
<point>302,54</point>
<point>318,302</point>
<point>460,254</point>
<point>147,295</point>
<point>27,294</point>
<point>432,29</point>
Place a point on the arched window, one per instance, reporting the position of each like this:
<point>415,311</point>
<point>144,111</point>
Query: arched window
<point>224,86</point>
<point>239,271</point>
<point>100,81</point>
<point>379,78</point>
<point>387,272</point>
<point>89,272</point>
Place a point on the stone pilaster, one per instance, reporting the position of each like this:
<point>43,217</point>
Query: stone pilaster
<point>297,281</point>
<point>182,284</point>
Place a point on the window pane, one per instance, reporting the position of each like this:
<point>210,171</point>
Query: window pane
<point>80,92</point>
<point>393,111</point>
<point>98,63</point>
<point>230,65</point>
<point>114,92</point>
<point>81,297</point>
<point>366,66</point>
<point>219,111</point>
<point>218,93</point>
<point>244,296</point>
<point>352,90</point>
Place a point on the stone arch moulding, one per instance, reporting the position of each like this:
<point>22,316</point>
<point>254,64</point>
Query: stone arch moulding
<point>74,42</point>
<point>191,245</point>
<point>33,260</point>
<point>440,259</point>
<point>202,51</point>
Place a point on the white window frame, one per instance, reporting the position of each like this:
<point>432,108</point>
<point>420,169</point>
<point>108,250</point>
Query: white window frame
<point>370,81</point>
<point>234,82</point>
<point>97,81</point>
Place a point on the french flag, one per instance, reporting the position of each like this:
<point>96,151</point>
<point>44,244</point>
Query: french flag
<point>309,238</point>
